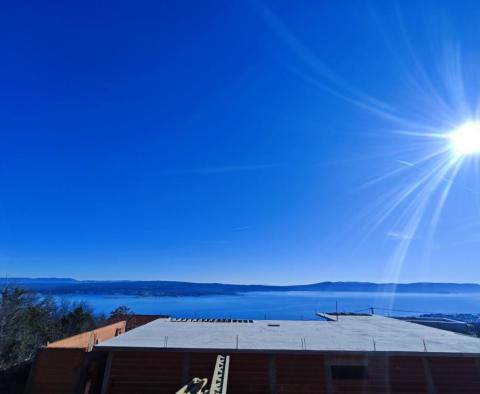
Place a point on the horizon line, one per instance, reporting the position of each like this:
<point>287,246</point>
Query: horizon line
<point>7,278</point>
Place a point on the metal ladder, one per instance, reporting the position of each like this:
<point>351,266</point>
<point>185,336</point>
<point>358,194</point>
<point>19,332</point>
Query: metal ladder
<point>219,380</point>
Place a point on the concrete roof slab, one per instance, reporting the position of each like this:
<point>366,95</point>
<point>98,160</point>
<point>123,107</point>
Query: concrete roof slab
<point>349,333</point>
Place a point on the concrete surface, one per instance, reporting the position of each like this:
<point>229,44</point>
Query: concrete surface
<point>349,333</point>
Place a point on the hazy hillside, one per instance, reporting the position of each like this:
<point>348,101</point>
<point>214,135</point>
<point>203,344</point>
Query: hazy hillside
<point>170,288</point>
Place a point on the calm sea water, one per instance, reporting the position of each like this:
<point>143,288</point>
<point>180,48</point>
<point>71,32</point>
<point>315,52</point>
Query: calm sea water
<point>286,305</point>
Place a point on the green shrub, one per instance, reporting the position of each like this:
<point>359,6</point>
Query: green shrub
<point>29,320</point>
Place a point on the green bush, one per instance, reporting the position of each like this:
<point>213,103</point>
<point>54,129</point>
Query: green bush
<point>29,320</point>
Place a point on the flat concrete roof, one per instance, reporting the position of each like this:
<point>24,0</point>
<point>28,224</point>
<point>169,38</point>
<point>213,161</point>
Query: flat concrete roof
<point>349,333</point>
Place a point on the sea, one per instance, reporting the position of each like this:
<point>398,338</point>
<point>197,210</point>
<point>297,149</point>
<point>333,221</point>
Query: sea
<point>292,305</point>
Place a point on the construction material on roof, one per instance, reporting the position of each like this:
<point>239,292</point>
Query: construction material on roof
<point>220,375</point>
<point>218,383</point>
<point>195,386</point>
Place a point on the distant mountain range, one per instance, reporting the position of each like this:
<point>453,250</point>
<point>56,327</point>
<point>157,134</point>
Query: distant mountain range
<point>59,286</point>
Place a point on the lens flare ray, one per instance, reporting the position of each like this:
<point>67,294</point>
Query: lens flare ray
<point>436,134</point>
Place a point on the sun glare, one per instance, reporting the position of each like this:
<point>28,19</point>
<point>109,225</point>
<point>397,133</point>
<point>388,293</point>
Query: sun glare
<point>466,139</point>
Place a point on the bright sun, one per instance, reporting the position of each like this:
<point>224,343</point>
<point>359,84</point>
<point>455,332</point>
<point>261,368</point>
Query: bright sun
<point>466,139</point>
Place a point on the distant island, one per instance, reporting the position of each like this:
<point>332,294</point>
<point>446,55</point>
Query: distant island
<point>61,286</point>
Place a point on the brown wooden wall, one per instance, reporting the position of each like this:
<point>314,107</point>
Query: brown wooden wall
<point>65,365</point>
<point>461,376</point>
<point>56,371</point>
<point>166,372</point>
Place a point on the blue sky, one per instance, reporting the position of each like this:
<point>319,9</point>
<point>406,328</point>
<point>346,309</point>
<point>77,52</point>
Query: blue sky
<point>235,141</point>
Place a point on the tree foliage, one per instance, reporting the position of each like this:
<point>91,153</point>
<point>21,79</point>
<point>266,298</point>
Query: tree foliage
<point>29,320</point>
<point>121,312</point>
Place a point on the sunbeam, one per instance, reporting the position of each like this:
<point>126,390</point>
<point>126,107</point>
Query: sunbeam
<point>438,132</point>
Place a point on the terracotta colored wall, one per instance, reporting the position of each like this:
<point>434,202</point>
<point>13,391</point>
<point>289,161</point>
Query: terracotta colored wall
<point>86,339</point>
